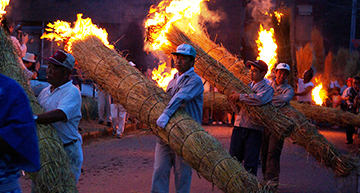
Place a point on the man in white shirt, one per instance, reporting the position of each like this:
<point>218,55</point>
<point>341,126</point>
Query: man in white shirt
<point>305,87</point>
<point>62,103</point>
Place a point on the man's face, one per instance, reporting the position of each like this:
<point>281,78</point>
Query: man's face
<point>27,64</point>
<point>307,76</point>
<point>255,74</point>
<point>182,62</point>
<point>281,76</point>
<point>56,74</point>
<point>356,84</point>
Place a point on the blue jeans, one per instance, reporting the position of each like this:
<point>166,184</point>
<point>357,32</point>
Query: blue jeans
<point>75,155</point>
<point>165,158</point>
<point>245,145</point>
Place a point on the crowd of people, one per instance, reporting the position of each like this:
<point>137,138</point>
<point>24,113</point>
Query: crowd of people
<point>61,99</point>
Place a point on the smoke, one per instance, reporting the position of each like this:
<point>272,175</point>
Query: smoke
<point>210,18</point>
<point>258,8</point>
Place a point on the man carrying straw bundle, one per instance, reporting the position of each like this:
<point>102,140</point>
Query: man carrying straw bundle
<point>245,141</point>
<point>271,145</point>
<point>62,103</point>
<point>186,90</point>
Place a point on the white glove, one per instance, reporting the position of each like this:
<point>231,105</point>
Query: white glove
<point>162,120</point>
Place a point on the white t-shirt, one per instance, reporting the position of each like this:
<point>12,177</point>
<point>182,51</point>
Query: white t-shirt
<point>301,88</point>
<point>68,99</point>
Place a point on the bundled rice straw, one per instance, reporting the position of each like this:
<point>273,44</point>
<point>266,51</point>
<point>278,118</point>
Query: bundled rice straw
<point>305,134</point>
<point>221,54</point>
<point>216,101</point>
<point>217,75</point>
<point>145,101</point>
<point>327,114</point>
<point>319,113</point>
<point>54,175</point>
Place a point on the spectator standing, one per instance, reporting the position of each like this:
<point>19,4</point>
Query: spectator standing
<point>272,145</point>
<point>351,98</point>
<point>104,110</point>
<point>305,87</point>
<point>31,64</point>
<point>246,137</point>
<point>18,139</point>
<point>186,90</point>
<point>62,103</point>
<point>336,97</point>
<point>342,85</point>
<point>118,116</point>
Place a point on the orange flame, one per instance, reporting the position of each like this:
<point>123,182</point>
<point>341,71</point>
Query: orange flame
<point>3,5</point>
<point>276,14</point>
<point>82,28</point>
<point>161,77</point>
<point>318,94</point>
<point>267,48</point>
<point>165,14</point>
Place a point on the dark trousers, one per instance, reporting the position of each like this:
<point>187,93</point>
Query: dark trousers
<point>271,147</point>
<point>245,145</point>
<point>350,130</point>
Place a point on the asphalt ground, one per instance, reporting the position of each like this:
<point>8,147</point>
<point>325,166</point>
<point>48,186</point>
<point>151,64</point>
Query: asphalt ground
<point>126,165</point>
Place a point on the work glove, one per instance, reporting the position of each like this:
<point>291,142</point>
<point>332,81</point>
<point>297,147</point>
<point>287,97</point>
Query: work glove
<point>162,120</point>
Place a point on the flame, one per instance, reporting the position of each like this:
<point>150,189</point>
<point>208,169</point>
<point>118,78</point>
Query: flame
<point>276,14</point>
<point>82,28</point>
<point>3,5</point>
<point>165,14</point>
<point>161,77</point>
<point>267,48</point>
<point>318,94</point>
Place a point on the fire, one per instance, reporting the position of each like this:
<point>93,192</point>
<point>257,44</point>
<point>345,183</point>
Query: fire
<point>276,14</point>
<point>319,94</point>
<point>161,77</point>
<point>3,5</point>
<point>82,28</point>
<point>267,48</point>
<point>165,14</point>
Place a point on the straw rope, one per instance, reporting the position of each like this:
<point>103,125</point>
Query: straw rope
<point>145,101</point>
<point>54,175</point>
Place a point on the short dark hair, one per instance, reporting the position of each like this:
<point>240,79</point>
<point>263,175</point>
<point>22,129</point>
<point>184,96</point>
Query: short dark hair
<point>357,78</point>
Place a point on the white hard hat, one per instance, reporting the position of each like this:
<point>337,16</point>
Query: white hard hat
<point>283,66</point>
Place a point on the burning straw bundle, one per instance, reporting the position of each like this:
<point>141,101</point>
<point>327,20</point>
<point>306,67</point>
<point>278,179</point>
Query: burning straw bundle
<point>145,101</point>
<point>214,72</point>
<point>54,175</point>
<point>305,134</point>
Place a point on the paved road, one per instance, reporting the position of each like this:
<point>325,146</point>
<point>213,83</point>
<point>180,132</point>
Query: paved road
<point>125,165</point>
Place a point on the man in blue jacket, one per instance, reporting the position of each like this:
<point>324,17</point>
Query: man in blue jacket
<point>186,90</point>
<point>18,140</point>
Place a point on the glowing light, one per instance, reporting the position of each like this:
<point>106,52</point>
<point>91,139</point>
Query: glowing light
<point>318,94</point>
<point>82,28</point>
<point>3,4</point>
<point>267,48</point>
<point>277,14</point>
<point>161,77</point>
<point>165,14</point>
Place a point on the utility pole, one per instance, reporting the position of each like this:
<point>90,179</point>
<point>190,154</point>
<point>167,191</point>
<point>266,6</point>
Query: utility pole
<point>353,23</point>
